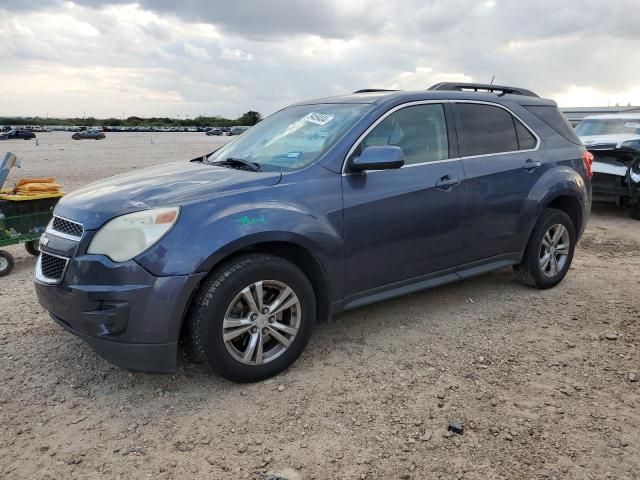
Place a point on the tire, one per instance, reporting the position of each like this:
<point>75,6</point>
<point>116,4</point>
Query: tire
<point>6,263</point>
<point>531,269</point>
<point>635,211</point>
<point>220,302</point>
<point>33,247</point>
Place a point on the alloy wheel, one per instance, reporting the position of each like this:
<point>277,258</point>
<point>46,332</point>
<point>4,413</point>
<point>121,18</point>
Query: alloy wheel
<point>261,322</point>
<point>554,250</point>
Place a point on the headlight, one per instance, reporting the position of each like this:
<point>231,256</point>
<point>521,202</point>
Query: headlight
<point>124,237</point>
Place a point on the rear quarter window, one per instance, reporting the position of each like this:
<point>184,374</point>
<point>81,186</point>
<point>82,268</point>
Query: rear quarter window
<point>552,117</point>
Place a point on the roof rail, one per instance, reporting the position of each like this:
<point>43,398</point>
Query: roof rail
<point>371,90</point>
<point>482,87</point>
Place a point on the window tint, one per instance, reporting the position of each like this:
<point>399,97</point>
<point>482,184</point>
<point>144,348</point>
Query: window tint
<point>485,129</point>
<point>525,139</point>
<point>421,132</point>
<point>552,117</point>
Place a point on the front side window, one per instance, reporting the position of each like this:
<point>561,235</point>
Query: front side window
<point>294,137</point>
<point>420,130</point>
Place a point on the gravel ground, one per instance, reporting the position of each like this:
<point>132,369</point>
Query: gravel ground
<point>543,381</point>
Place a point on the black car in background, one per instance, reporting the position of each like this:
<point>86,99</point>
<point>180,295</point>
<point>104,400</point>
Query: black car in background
<point>17,134</point>
<point>88,135</point>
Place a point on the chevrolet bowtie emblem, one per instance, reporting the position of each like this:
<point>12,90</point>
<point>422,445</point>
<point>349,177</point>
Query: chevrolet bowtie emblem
<point>44,241</point>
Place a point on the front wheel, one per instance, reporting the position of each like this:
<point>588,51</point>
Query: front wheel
<point>253,317</point>
<point>549,252</point>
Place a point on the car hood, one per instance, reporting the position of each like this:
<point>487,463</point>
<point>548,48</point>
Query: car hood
<point>607,141</point>
<point>173,184</point>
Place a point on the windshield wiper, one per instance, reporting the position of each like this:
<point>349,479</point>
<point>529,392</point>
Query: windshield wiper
<point>238,163</point>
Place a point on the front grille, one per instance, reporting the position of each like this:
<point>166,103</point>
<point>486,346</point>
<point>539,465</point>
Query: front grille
<point>52,267</point>
<point>67,227</point>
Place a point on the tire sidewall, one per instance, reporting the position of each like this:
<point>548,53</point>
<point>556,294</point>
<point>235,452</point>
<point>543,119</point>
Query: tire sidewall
<point>216,299</point>
<point>551,218</point>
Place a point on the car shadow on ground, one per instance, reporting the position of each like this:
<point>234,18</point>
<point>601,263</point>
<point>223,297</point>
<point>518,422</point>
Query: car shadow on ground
<point>345,333</point>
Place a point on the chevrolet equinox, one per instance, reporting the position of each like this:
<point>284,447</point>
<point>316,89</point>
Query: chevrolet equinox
<point>324,206</point>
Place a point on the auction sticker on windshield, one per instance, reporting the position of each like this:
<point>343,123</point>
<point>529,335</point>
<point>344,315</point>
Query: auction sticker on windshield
<point>318,118</point>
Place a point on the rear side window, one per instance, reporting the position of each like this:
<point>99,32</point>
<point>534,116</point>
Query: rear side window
<point>552,117</point>
<point>485,129</point>
<point>526,140</point>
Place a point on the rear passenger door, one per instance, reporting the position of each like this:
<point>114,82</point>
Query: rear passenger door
<point>502,161</point>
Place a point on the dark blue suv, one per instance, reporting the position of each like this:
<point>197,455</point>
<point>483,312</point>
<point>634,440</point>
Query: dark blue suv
<point>324,206</point>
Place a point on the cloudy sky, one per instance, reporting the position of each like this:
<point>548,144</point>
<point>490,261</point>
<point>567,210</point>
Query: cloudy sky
<point>190,57</point>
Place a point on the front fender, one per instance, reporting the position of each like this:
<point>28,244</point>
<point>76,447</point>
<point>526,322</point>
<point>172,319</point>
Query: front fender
<point>558,181</point>
<point>308,215</point>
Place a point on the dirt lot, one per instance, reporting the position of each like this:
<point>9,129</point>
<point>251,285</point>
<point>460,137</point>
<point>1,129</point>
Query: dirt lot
<point>541,380</point>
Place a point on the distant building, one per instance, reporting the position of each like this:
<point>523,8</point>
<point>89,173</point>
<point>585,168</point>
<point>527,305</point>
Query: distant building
<point>576,114</point>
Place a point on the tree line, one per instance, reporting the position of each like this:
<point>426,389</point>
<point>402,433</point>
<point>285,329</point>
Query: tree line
<point>246,119</point>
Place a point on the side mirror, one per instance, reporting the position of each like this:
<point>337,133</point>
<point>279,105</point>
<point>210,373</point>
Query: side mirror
<point>385,157</point>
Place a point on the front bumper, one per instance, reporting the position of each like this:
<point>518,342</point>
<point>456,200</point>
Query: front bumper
<point>614,185</point>
<point>142,357</point>
<point>129,316</point>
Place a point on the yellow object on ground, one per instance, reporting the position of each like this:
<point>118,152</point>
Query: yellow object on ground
<point>31,186</point>
<point>33,189</point>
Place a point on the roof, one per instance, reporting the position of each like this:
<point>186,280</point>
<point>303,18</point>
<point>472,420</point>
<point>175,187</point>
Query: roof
<point>379,97</point>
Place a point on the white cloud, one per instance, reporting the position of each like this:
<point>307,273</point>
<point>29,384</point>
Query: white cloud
<point>220,57</point>
<point>197,53</point>
<point>236,54</point>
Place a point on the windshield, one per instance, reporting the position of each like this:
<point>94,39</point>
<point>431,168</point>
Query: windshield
<point>292,138</point>
<point>608,127</point>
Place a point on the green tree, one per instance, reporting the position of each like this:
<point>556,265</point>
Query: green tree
<point>250,118</point>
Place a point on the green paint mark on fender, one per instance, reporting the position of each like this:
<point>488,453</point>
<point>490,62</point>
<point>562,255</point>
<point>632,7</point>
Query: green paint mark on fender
<point>247,220</point>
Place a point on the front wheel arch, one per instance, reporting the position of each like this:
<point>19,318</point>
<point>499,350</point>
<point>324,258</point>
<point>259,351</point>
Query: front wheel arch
<point>295,253</point>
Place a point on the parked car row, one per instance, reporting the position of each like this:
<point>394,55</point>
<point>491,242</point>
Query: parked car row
<point>234,130</point>
<point>218,131</point>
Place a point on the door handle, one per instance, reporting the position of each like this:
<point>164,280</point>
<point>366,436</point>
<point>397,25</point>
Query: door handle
<point>530,165</point>
<point>447,182</point>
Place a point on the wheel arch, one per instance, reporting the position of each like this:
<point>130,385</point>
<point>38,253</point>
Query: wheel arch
<point>294,252</point>
<point>570,205</point>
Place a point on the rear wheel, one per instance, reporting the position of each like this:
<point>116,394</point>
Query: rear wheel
<point>6,263</point>
<point>549,252</point>
<point>253,317</point>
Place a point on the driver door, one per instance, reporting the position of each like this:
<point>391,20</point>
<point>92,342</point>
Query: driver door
<point>402,226</point>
